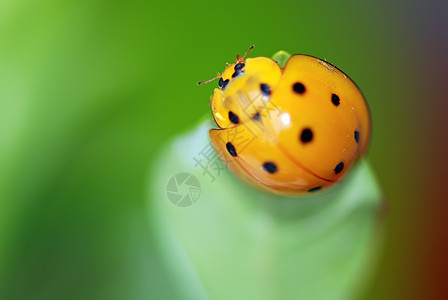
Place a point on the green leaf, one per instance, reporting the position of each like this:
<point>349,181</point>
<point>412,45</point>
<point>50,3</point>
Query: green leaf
<point>236,242</point>
<point>281,57</point>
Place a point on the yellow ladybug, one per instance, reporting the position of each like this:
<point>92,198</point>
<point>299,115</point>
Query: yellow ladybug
<point>289,129</point>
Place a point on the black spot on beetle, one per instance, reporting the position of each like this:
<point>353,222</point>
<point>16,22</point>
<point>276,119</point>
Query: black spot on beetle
<point>231,149</point>
<point>225,83</point>
<point>239,66</point>
<point>298,88</point>
<point>357,135</point>
<point>306,136</point>
<point>265,89</point>
<point>256,117</point>
<point>237,73</point>
<point>233,118</point>
<point>335,99</point>
<point>314,189</point>
<point>270,167</point>
<point>339,168</point>
<point>220,82</point>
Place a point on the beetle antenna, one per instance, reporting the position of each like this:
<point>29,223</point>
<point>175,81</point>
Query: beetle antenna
<point>247,52</point>
<point>210,80</point>
<point>241,59</point>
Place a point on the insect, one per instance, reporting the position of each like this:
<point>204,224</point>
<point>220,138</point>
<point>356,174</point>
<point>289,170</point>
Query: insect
<point>289,129</point>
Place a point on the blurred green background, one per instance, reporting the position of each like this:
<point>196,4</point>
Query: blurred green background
<point>90,90</point>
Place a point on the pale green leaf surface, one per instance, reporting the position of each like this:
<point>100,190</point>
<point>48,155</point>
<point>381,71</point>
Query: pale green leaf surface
<point>281,57</point>
<point>236,242</point>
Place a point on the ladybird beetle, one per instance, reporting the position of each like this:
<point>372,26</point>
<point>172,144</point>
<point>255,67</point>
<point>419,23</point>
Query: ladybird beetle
<point>292,128</point>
